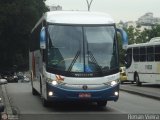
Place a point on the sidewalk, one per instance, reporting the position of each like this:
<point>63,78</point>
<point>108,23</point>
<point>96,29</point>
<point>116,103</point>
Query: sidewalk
<point>147,90</point>
<point>1,96</point>
<point>6,100</point>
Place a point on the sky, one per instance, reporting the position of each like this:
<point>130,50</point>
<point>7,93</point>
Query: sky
<point>125,10</point>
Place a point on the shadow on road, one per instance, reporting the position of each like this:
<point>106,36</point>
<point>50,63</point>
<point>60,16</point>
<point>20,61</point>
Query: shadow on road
<point>77,107</point>
<point>147,85</point>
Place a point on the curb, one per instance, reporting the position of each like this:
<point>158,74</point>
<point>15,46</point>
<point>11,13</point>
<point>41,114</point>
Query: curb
<point>140,93</point>
<point>6,100</point>
<point>7,103</point>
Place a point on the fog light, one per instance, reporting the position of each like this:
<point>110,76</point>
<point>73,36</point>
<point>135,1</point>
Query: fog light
<point>116,93</point>
<point>50,93</point>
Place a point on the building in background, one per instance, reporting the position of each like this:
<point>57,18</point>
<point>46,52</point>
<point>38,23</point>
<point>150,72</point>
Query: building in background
<point>144,22</point>
<point>55,8</point>
<point>148,19</point>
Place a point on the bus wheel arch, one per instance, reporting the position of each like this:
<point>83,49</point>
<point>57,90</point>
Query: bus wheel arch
<point>31,74</point>
<point>45,102</point>
<point>34,91</point>
<point>136,79</point>
<point>40,79</point>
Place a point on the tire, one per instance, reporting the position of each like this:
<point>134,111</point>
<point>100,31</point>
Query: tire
<point>40,86</point>
<point>34,92</point>
<point>136,79</point>
<point>102,103</point>
<point>45,102</point>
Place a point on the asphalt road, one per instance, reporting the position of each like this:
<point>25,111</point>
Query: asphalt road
<point>30,107</point>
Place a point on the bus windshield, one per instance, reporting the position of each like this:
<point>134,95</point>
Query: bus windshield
<point>82,49</point>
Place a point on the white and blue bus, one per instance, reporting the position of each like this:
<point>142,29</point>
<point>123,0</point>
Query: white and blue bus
<point>143,62</point>
<point>74,57</point>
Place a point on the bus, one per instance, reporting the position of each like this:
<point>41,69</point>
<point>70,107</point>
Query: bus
<point>74,56</point>
<point>143,62</point>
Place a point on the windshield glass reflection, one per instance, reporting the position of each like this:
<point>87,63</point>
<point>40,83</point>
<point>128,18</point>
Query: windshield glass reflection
<point>82,49</point>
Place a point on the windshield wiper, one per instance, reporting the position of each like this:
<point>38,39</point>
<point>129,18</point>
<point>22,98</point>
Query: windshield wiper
<point>94,61</point>
<point>74,60</point>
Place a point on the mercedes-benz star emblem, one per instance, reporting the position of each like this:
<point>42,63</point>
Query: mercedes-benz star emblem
<point>85,87</point>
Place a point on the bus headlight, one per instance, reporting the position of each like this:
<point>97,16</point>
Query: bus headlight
<point>54,82</point>
<point>50,93</point>
<point>112,83</point>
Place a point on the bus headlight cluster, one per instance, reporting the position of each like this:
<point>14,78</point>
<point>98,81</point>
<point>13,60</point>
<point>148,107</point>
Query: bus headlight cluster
<point>50,93</point>
<point>112,83</point>
<point>53,82</point>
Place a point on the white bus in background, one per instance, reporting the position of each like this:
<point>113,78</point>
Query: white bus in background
<point>143,62</point>
<point>74,57</point>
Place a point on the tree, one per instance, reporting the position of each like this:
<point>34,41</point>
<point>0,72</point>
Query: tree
<point>17,18</point>
<point>121,51</point>
<point>154,32</point>
<point>148,34</point>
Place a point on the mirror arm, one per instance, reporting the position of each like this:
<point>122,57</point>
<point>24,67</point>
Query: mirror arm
<point>124,37</point>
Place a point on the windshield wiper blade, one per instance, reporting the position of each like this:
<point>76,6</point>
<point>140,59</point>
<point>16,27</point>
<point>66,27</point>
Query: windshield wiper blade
<point>74,60</point>
<point>94,60</point>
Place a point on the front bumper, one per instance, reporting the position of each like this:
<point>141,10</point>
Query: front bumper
<point>100,94</point>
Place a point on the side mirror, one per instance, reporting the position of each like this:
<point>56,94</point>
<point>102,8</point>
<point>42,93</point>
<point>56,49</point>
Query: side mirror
<point>124,37</point>
<point>3,81</point>
<point>125,58</point>
<point>43,38</point>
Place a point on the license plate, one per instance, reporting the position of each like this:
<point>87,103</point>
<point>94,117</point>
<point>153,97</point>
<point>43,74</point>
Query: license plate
<point>84,95</point>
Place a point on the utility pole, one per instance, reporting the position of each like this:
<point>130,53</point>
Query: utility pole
<point>89,4</point>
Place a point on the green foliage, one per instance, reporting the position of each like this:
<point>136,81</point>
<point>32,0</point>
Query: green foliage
<point>121,51</point>
<point>17,18</point>
<point>154,32</point>
<point>137,36</point>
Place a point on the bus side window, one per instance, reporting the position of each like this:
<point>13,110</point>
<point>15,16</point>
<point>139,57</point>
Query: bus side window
<point>128,58</point>
<point>136,54</point>
<point>142,54</point>
<point>150,53</point>
<point>157,53</point>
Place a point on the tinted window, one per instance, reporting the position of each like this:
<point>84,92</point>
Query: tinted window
<point>82,49</point>
<point>157,53</point>
<point>142,54</point>
<point>128,58</point>
<point>136,54</point>
<point>34,42</point>
<point>150,53</point>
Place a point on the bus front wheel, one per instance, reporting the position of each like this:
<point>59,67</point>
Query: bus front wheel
<point>45,102</point>
<point>102,103</point>
<point>136,79</point>
<point>34,92</point>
